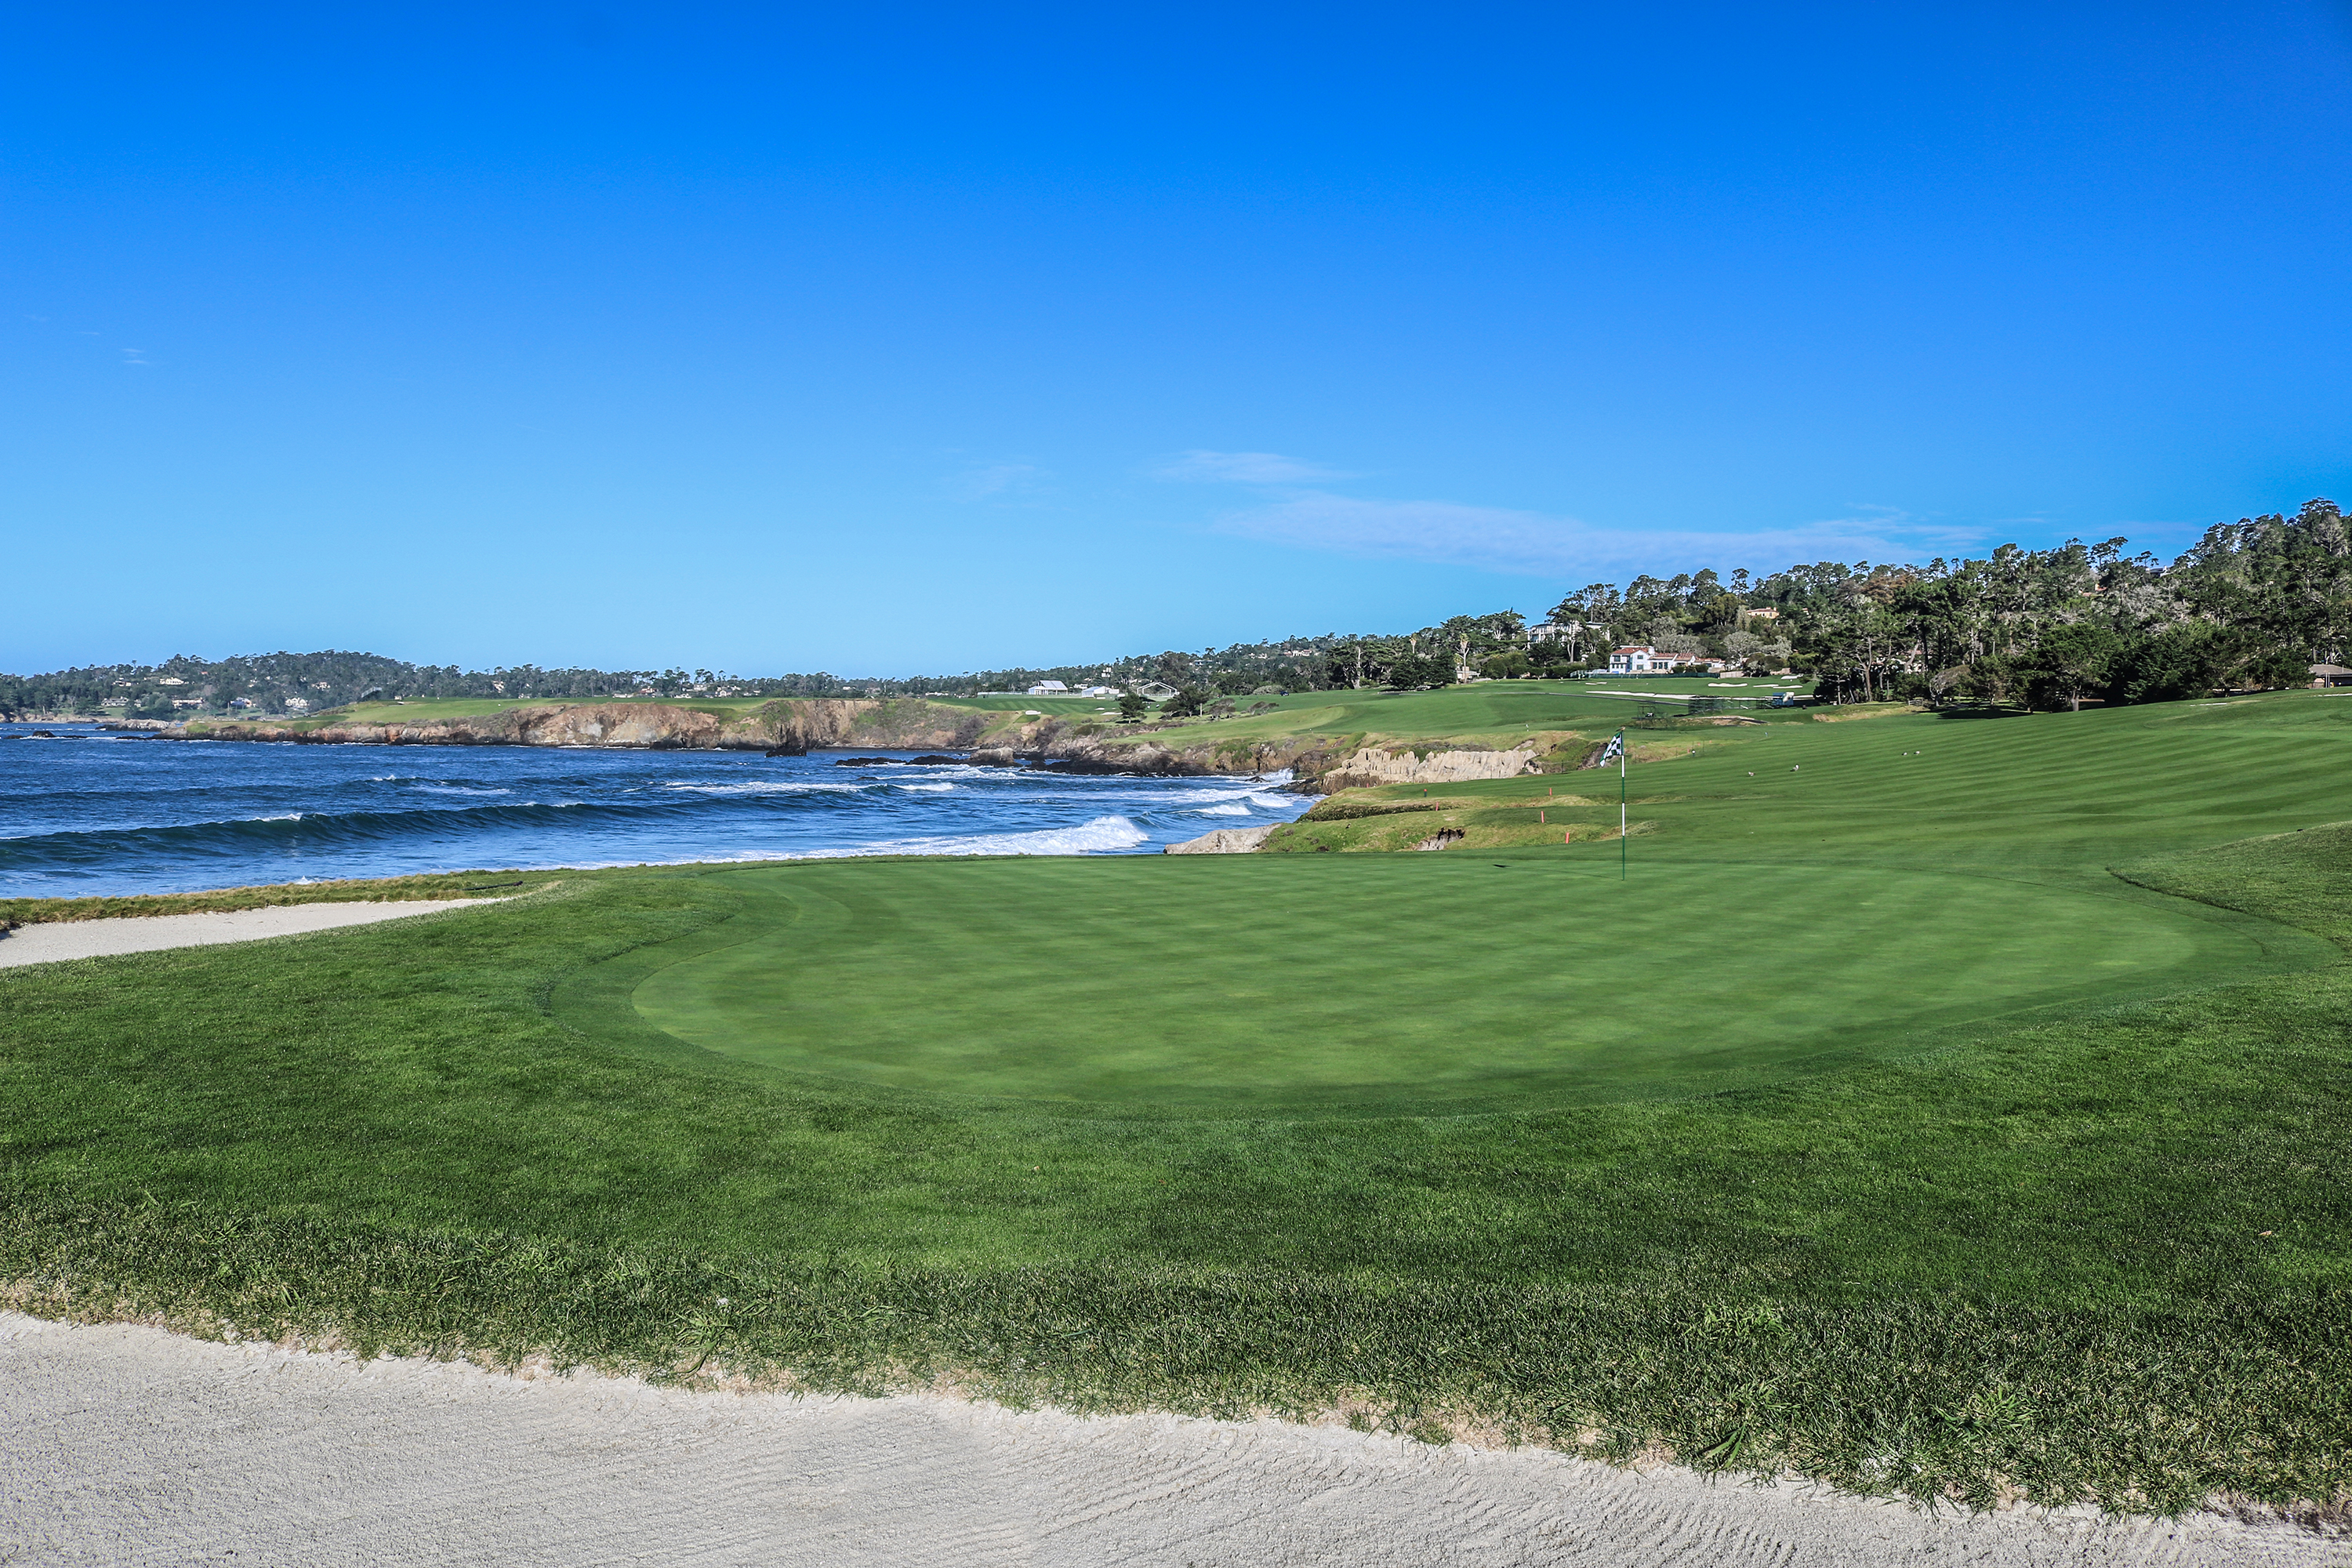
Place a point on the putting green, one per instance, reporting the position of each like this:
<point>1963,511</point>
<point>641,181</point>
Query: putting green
<point>1388,984</point>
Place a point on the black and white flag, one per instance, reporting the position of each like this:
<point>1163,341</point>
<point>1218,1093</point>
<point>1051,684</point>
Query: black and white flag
<point>1612,751</point>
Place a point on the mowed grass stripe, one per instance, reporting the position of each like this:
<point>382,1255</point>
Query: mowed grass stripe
<point>1372,987</point>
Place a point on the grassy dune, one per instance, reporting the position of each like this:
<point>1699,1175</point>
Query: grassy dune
<point>1961,1124</point>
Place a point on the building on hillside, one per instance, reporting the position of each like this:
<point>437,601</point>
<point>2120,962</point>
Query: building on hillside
<point>2330,675</point>
<point>1641,658</point>
<point>1764,614</point>
<point>1552,631</point>
<point>1048,688</point>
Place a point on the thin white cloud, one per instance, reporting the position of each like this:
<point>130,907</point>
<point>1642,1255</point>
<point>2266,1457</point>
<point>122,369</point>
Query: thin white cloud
<point>997,479</point>
<point>1497,539</point>
<point>1242,468</point>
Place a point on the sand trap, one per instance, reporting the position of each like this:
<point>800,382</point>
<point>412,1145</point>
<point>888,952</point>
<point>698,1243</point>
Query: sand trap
<point>124,1444</point>
<point>150,934</point>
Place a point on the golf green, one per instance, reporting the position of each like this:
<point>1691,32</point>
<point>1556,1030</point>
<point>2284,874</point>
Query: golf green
<point>1388,984</point>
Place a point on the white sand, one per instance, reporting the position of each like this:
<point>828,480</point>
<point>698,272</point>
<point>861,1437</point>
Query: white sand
<point>127,1445</point>
<point>150,934</point>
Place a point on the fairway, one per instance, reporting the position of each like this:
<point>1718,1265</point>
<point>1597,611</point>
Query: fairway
<point>1388,985</point>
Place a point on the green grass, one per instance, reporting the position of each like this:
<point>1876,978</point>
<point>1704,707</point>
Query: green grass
<point>1495,713</point>
<point>1051,707</point>
<point>1258,988</point>
<point>2005,1222</point>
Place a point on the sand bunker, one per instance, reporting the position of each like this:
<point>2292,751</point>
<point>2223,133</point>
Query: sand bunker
<point>97,939</point>
<point>122,1443</point>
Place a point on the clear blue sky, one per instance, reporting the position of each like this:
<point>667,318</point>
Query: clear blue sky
<point>891,339</point>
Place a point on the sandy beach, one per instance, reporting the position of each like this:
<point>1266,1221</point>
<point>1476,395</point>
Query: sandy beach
<point>123,1443</point>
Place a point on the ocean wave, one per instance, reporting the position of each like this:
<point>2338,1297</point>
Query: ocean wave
<point>923,786</point>
<point>1104,835</point>
<point>1221,811</point>
<point>279,831</point>
<point>1273,802</point>
<point>458,789</point>
<point>769,786</point>
<point>385,825</point>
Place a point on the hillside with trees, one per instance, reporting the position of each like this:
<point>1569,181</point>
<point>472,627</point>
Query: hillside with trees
<point>2253,604</point>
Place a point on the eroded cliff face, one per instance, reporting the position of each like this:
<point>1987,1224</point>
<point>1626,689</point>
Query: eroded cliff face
<point>1373,765</point>
<point>789,725</point>
<point>1318,763</point>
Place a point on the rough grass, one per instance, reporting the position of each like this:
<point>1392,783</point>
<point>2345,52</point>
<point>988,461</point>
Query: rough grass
<point>2102,1254</point>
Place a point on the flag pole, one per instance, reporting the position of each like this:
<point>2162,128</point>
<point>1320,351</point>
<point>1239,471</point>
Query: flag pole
<point>1621,805</point>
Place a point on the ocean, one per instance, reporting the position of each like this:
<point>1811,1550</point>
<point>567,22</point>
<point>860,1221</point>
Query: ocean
<point>85,811</point>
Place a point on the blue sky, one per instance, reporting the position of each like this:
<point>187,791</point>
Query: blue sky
<point>896,338</point>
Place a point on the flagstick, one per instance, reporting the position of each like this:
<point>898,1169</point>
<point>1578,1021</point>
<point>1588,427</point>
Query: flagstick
<point>1621,805</point>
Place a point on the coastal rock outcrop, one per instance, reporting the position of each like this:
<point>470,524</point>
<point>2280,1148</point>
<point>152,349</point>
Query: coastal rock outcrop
<point>1372,766</point>
<point>1317,763</point>
<point>1226,841</point>
<point>786,724</point>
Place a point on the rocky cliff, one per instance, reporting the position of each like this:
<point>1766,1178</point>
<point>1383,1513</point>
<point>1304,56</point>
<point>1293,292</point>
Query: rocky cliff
<point>783,725</point>
<point>1373,765</point>
<point>1318,764</point>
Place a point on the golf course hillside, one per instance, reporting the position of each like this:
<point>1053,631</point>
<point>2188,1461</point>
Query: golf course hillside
<point>1950,1106</point>
<point>1334,738</point>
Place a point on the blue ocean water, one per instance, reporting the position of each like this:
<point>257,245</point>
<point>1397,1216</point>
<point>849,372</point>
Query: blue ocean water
<point>85,811</point>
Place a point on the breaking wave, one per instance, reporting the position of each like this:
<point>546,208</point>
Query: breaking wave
<point>156,818</point>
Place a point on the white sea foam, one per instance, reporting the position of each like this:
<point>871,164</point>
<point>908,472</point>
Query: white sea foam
<point>1273,802</point>
<point>458,789</point>
<point>1193,797</point>
<point>924,786</point>
<point>1103,834</point>
<point>1221,811</point>
<point>769,786</point>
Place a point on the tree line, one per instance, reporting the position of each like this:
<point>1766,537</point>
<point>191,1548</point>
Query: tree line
<point>2253,604</point>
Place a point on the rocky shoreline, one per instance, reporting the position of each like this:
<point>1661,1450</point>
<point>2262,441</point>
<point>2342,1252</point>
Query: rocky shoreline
<point>794,727</point>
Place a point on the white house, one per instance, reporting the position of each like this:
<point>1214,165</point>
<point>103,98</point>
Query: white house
<point>1638,658</point>
<point>1048,688</point>
<point>1641,658</point>
<point>1551,630</point>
